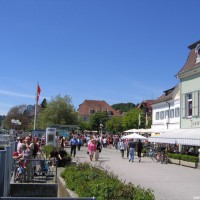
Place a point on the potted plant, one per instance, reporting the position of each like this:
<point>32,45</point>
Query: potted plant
<point>144,151</point>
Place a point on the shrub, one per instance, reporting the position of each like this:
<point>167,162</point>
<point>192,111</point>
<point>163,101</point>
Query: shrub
<point>47,149</point>
<point>88,181</point>
<point>190,158</point>
<point>144,150</point>
<point>174,156</point>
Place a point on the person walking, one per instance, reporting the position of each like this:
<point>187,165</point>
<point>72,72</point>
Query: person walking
<point>139,149</point>
<point>122,147</point>
<point>73,143</point>
<point>91,148</point>
<point>131,145</point>
<point>98,149</point>
<point>126,147</point>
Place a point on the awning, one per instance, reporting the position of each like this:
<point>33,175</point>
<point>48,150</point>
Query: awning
<point>180,136</point>
<point>134,136</point>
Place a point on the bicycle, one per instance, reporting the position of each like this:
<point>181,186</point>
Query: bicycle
<point>158,155</point>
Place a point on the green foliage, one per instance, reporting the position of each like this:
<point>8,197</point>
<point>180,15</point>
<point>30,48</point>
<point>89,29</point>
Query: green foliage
<point>114,124</point>
<point>98,118</point>
<point>183,157</point>
<point>58,111</point>
<point>89,181</point>
<point>174,156</point>
<point>83,125</point>
<point>190,158</point>
<point>131,120</point>
<point>44,104</point>
<point>123,107</point>
<point>144,150</point>
<point>16,112</point>
<point>2,117</point>
<point>47,149</point>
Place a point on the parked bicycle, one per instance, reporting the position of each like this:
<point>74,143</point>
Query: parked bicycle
<point>158,155</point>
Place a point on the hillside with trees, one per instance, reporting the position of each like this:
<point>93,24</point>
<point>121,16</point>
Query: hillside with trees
<point>124,107</point>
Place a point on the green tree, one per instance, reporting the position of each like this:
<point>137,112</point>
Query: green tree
<point>83,125</point>
<point>123,107</point>
<point>114,124</point>
<point>2,117</point>
<point>58,111</point>
<point>98,118</point>
<point>44,104</point>
<point>131,119</point>
<point>17,113</point>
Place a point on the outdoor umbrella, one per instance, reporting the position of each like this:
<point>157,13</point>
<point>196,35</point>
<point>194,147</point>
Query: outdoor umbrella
<point>131,131</point>
<point>134,136</point>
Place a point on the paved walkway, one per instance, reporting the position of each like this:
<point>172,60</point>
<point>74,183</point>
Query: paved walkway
<point>169,181</point>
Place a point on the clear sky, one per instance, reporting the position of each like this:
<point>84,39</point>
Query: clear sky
<point>119,51</point>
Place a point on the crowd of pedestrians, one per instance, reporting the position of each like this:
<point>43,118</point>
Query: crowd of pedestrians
<point>24,157</point>
<point>26,150</point>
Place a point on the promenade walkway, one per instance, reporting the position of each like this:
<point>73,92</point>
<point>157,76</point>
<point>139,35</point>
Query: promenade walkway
<point>169,181</point>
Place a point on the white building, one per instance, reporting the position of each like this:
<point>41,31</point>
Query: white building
<point>166,111</point>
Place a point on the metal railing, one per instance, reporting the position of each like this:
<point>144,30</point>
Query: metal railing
<point>6,166</point>
<point>35,171</point>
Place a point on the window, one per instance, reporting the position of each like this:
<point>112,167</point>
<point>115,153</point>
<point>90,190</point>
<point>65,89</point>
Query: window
<point>189,104</point>
<point>166,114</point>
<point>162,115</point>
<point>172,113</point>
<point>110,113</point>
<point>157,115</point>
<point>91,111</point>
<point>176,112</point>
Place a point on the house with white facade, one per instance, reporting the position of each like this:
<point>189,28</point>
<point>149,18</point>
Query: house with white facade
<point>189,133</point>
<point>189,77</point>
<point>166,111</point>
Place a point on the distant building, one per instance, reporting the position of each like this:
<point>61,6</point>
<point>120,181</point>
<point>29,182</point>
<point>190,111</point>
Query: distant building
<point>89,107</point>
<point>145,106</point>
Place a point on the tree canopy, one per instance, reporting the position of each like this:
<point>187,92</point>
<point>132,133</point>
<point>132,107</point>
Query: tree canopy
<point>123,107</point>
<point>131,119</point>
<point>98,118</point>
<point>114,124</point>
<point>59,110</point>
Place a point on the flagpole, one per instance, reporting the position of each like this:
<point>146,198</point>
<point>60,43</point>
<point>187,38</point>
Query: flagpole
<point>36,102</point>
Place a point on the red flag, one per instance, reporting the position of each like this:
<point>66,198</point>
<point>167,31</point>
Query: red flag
<point>38,92</point>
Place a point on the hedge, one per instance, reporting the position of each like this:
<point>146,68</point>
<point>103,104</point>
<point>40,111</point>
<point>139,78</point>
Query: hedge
<point>183,157</point>
<point>89,181</point>
<point>174,156</point>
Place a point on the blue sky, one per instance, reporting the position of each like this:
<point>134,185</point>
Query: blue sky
<point>119,51</point>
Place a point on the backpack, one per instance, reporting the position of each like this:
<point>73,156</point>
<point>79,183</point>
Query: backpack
<point>36,149</point>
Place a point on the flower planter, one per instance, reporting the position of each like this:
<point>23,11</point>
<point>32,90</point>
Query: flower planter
<point>174,161</point>
<point>189,164</point>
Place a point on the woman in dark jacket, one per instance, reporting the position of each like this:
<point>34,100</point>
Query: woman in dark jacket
<point>139,148</point>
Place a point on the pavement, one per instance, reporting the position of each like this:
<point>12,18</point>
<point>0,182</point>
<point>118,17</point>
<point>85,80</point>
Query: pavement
<point>168,181</point>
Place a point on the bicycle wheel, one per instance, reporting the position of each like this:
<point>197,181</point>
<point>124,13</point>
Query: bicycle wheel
<point>154,156</point>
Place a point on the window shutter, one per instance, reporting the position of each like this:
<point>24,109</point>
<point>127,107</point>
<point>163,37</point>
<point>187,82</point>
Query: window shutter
<point>183,106</point>
<point>195,104</point>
